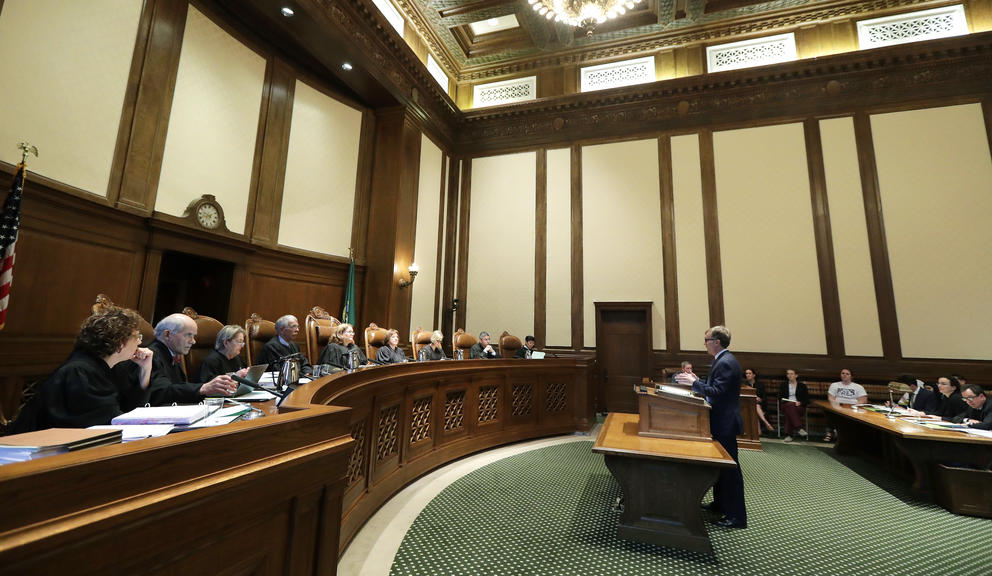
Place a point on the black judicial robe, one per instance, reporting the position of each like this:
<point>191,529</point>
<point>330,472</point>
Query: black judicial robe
<point>83,392</point>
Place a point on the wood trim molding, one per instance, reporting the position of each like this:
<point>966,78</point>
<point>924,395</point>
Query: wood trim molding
<point>441,227</point>
<point>918,74</point>
<point>670,263</point>
<point>541,247</point>
<point>271,151</point>
<point>987,113</point>
<point>450,242</point>
<point>461,289</point>
<point>877,246</point>
<point>711,228</point>
<point>578,293</point>
<point>823,237</point>
<point>145,147</point>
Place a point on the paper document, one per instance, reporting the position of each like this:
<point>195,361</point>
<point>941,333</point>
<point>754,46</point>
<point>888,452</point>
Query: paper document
<point>222,416</point>
<point>255,396</point>
<point>178,415</point>
<point>138,431</point>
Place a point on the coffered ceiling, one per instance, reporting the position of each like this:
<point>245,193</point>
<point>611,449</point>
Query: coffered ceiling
<point>536,42</point>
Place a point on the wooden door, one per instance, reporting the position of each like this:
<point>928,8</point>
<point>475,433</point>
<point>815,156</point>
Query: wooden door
<point>623,350</point>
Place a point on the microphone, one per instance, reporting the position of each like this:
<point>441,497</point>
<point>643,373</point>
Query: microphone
<point>250,384</point>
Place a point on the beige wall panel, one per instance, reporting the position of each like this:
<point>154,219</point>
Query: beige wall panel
<point>771,285</point>
<point>621,231</point>
<point>210,145</point>
<point>855,283</point>
<point>321,173</point>
<point>425,249</point>
<point>935,178</point>
<point>65,67</point>
<point>558,307</point>
<point>690,242</point>
<point>501,245</point>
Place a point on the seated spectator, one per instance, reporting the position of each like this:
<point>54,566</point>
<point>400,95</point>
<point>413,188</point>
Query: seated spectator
<point>794,397</point>
<point>106,375</point>
<point>435,351</point>
<point>340,350</point>
<point>174,336</point>
<point>686,369</point>
<point>979,414</point>
<point>527,349</point>
<point>283,345</point>
<point>391,353</point>
<point>225,358</point>
<point>759,391</point>
<point>482,348</point>
<point>845,392</point>
<point>918,398</point>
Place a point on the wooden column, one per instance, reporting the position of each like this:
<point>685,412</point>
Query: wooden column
<point>392,220</point>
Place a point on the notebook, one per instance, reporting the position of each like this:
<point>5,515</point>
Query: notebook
<point>177,415</point>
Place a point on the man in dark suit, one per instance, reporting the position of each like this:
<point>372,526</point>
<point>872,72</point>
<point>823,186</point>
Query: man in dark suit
<point>174,336</point>
<point>722,389</point>
<point>919,398</point>
<point>282,345</point>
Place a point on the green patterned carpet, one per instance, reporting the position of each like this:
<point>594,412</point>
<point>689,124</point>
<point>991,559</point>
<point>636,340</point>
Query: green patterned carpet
<point>549,511</point>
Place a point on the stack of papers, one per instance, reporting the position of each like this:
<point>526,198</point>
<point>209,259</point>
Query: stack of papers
<point>176,415</point>
<point>137,431</point>
<point>41,443</point>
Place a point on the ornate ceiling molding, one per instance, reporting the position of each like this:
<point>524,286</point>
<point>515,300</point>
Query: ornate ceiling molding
<point>941,70</point>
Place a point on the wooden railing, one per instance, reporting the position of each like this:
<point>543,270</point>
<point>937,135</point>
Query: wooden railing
<point>408,419</point>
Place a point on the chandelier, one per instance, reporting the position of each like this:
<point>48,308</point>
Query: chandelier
<point>582,13</point>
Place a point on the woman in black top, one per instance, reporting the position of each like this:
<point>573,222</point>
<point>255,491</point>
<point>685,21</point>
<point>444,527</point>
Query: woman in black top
<point>434,351</point>
<point>949,401</point>
<point>391,353</point>
<point>96,383</point>
<point>225,358</point>
<point>794,398</point>
<point>751,379</point>
<point>338,351</point>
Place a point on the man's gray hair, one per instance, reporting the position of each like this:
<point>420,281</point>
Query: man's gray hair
<point>283,321</point>
<point>172,323</point>
<point>721,333</point>
<point>229,332</point>
<point>483,335</point>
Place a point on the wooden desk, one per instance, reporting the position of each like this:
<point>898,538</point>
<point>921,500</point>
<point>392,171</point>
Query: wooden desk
<point>663,482</point>
<point>872,434</point>
<point>259,496</point>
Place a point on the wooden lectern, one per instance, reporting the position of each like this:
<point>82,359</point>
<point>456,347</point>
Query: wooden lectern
<point>671,411</point>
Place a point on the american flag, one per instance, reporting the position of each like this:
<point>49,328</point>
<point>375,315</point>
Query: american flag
<point>10,217</point>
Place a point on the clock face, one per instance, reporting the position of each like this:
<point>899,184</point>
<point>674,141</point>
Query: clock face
<point>208,216</point>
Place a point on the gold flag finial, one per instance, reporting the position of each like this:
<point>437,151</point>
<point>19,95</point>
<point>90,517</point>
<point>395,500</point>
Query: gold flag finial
<point>27,148</point>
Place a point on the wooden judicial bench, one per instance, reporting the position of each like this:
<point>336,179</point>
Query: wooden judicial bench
<point>664,460</point>
<point>947,466</point>
<point>281,494</point>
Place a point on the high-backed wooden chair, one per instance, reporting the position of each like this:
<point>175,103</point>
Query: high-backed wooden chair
<point>375,338</point>
<point>207,329</point>
<point>258,332</point>
<point>463,341</point>
<point>508,344</point>
<point>146,329</point>
<point>420,339</point>
<point>320,327</point>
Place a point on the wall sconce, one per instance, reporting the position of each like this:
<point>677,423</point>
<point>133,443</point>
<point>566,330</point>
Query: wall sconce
<point>413,270</point>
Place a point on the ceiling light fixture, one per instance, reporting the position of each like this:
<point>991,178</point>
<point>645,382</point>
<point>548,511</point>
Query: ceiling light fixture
<point>346,66</point>
<point>582,13</point>
<point>287,11</point>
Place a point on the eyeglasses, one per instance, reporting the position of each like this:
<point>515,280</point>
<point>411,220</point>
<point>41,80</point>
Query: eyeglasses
<point>966,398</point>
<point>710,339</point>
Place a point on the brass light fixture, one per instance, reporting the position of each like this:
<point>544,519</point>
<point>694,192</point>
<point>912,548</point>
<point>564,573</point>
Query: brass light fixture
<point>582,13</point>
<point>413,270</point>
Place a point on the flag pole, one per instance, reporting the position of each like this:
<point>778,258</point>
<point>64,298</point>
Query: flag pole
<point>10,216</point>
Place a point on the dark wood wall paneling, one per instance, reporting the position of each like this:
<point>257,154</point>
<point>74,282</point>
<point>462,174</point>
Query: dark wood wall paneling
<point>541,248</point>
<point>464,212</point>
<point>937,73</point>
<point>451,219</point>
<point>73,247</point>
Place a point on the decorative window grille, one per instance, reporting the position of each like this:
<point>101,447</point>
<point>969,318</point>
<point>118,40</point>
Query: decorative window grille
<point>614,74</point>
<point>392,15</point>
<point>505,92</point>
<point>437,72</point>
<point>748,53</point>
<point>912,27</point>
